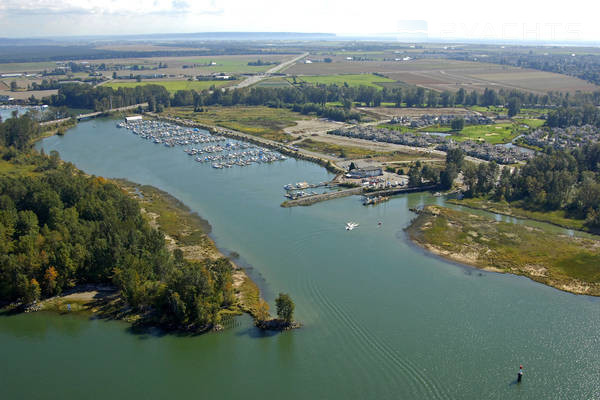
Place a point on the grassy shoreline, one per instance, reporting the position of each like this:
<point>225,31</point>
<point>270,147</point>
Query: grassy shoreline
<point>567,263</point>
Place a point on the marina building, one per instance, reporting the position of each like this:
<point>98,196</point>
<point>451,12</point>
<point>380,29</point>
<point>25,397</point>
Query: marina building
<point>367,172</point>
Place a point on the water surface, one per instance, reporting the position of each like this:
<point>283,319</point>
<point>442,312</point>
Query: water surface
<point>383,319</point>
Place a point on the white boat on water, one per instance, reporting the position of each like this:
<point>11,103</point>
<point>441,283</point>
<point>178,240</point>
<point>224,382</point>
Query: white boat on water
<point>351,225</point>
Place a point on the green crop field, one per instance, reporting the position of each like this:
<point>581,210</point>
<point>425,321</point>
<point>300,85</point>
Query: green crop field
<point>171,86</point>
<point>351,80</point>
<point>232,64</point>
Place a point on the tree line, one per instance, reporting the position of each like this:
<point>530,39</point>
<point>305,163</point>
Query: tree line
<point>304,98</point>
<point>574,116</point>
<point>553,180</point>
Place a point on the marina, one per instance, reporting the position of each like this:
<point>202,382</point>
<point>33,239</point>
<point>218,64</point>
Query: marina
<point>205,147</point>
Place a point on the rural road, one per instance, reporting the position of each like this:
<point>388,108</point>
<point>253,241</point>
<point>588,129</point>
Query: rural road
<point>251,80</point>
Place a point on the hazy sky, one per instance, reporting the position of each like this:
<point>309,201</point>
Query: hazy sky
<point>508,19</point>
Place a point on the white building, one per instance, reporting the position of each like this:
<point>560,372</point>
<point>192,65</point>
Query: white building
<point>133,118</point>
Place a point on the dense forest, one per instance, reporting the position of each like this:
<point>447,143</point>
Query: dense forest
<point>60,228</point>
<point>553,180</point>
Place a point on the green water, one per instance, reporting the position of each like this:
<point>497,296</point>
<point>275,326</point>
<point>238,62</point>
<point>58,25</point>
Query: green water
<point>383,319</point>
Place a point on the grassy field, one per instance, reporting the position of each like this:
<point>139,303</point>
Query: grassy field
<point>567,263</point>
<point>171,86</point>
<point>26,67</point>
<point>264,122</point>
<point>494,134</point>
<point>350,79</point>
<point>515,209</point>
<point>531,122</point>
<point>489,109</point>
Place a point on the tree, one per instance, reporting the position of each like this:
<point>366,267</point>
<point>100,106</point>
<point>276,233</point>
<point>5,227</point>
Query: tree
<point>457,124</point>
<point>32,292</point>
<point>514,106</point>
<point>455,156</point>
<point>414,175</point>
<point>460,96</point>
<point>50,280</point>
<point>448,175</point>
<point>13,86</point>
<point>431,174</point>
<point>352,166</point>
<point>285,307</point>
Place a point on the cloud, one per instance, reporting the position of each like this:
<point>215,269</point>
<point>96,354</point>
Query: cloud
<point>107,7</point>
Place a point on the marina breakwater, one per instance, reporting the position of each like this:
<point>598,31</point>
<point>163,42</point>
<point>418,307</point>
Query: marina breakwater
<point>308,200</point>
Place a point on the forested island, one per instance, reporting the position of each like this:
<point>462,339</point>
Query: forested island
<point>62,229</point>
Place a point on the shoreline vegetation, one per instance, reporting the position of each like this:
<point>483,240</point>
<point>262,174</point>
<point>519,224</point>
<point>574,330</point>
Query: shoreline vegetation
<point>72,242</point>
<point>566,263</point>
<point>557,218</point>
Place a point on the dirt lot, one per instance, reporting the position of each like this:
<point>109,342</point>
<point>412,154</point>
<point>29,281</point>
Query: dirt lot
<point>306,127</point>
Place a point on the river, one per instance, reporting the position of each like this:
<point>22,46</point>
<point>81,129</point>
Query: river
<point>382,318</point>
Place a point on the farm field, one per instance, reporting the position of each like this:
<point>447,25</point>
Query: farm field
<point>233,64</point>
<point>171,86</point>
<point>263,122</point>
<point>351,79</point>
<point>24,95</point>
<point>26,67</point>
<point>440,74</point>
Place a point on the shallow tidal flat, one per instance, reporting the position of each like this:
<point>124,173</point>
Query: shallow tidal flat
<point>568,263</point>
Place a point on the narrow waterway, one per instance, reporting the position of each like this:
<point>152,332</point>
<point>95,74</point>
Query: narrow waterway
<point>383,319</point>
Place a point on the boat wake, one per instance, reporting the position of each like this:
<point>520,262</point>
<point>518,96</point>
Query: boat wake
<point>407,374</point>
